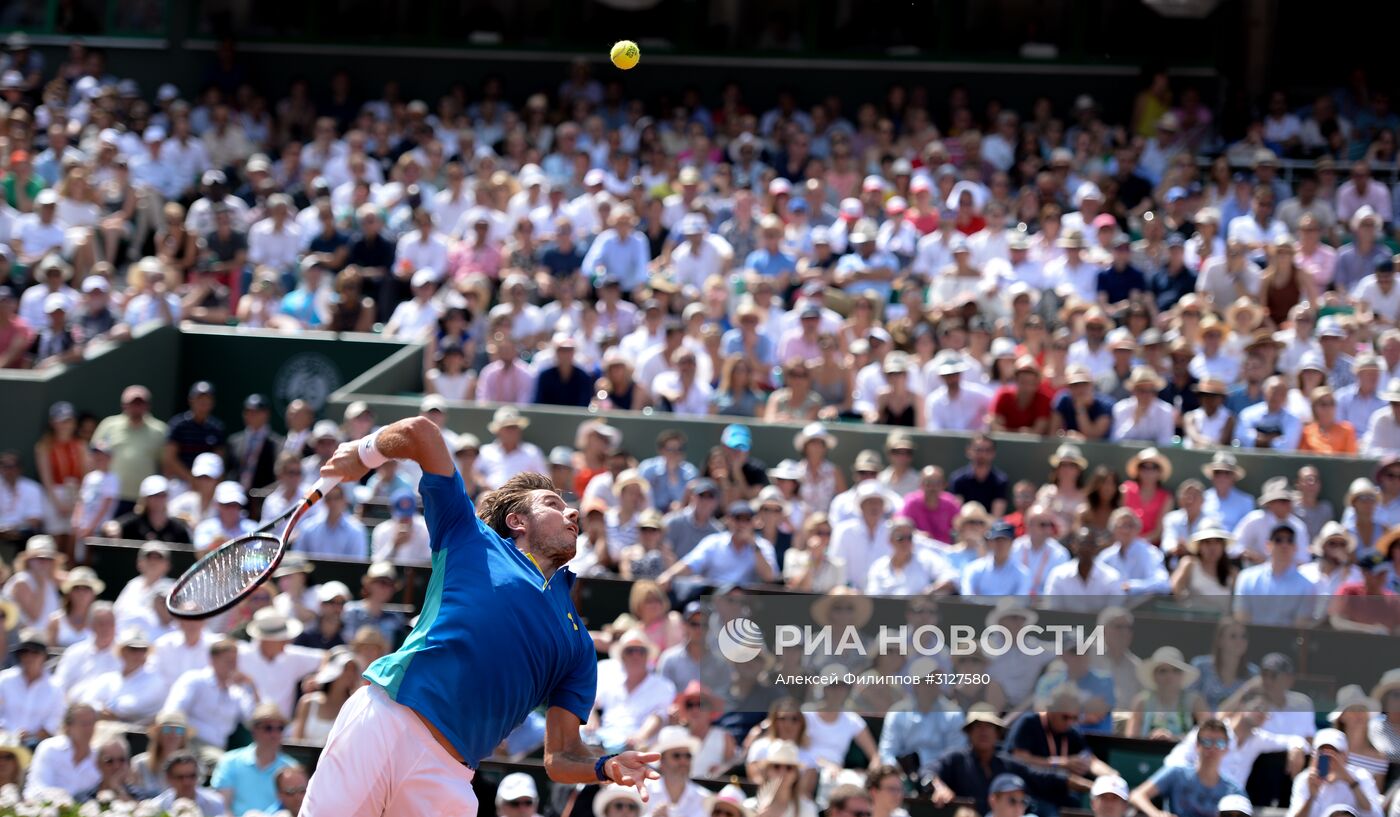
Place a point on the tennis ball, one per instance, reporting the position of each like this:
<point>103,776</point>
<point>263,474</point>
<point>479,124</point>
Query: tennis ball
<point>625,54</point>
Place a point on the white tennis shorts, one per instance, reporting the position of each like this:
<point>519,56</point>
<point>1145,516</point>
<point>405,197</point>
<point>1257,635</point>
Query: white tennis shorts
<point>381,761</point>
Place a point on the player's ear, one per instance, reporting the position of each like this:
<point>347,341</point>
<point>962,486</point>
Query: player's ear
<point>515,521</point>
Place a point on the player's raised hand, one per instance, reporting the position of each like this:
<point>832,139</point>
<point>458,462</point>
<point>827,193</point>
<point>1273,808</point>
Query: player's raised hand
<point>633,769</point>
<point>345,463</point>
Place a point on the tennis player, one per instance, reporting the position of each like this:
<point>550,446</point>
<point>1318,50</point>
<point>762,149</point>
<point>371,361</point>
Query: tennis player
<point>498,636</point>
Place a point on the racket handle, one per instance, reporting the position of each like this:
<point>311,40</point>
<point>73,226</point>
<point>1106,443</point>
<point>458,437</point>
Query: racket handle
<point>319,490</point>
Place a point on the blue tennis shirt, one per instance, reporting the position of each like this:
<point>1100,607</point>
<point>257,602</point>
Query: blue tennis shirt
<point>494,639</point>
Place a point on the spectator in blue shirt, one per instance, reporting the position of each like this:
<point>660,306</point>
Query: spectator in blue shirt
<point>928,723</point>
<point>301,303</point>
<point>736,556</point>
<point>1223,500</point>
<point>1195,791</point>
<point>997,574</point>
<point>769,260</point>
<point>669,471</point>
<point>565,384</point>
<point>746,341</point>
<point>1274,592</point>
<point>246,777</point>
<point>866,269</point>
<point>1096,690</point>
<point>336,534</point>
<point>379,584</point>
<point>620,253</point>
<point>1270,424</point>
<point>1121,282</point>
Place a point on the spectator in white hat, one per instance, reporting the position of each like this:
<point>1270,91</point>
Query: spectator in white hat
<point>229,520</point>
<point>272,661</point>
<point>517,796</point>
<point>673,792</point>
<point>1331,783</point>
<point>1109,796</point>
<point>197,504</point>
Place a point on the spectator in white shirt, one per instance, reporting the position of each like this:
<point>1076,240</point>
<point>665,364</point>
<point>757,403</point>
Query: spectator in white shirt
<point>1382,436</point>
<point>956,405</point>
<point>215,699</point>
<point>416,317</point>
<point>31,703</point>
<point>1331,785</point>
<point>1082,584</point>
<point>274,664</point>
<point>1144,416</point>
<point>632,710</point>
<point>183,650</point>
<point>93,655</point>
<point>421,248</point>
<point>67,761</point>
<point>152,565</point>
<point>907,570</point>
<point>864,540</point>
<point>700,255</point>
<point>679,391</point>
<point>275,241</point>
<point>131,694</point>
<point>508,454</point>
<point>1275,508</point>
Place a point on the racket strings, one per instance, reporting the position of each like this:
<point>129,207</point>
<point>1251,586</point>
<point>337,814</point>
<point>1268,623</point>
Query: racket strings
<point>225,574</point>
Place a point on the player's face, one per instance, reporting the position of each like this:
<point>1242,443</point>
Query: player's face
<point>552,527</point>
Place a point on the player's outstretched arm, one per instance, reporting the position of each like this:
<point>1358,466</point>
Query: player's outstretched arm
<point>415,438</point>
<point>567,759</point>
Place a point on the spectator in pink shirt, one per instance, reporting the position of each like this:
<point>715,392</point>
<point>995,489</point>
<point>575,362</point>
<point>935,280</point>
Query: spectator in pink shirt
<point>932,508</point>
<point>1314,257</point>
<point>505,379</point>
<point>1361,190</point>
<point>803,343</point>
<point>476,253</point>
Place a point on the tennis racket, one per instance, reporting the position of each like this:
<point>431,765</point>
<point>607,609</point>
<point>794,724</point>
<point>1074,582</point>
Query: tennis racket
<point>232,571</point>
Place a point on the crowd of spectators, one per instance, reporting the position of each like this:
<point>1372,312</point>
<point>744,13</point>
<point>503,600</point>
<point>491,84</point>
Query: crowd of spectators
<point>983,271</point>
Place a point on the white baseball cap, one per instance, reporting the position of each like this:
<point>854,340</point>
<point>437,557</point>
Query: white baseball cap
<point>1110,784</point>
<point>1331,737</point>
<point>208,464</point>
<point>230,493</point>
<point>154,484</point>
<point>515,786</point>
<point>1232,802</point>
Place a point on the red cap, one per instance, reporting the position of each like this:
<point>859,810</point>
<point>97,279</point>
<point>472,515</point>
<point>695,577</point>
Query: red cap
<point>19,156</point>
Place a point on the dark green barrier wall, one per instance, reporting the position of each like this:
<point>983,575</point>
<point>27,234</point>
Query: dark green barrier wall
<point>1020,456</point>
<point>92,386</point>
<point>308,365</point>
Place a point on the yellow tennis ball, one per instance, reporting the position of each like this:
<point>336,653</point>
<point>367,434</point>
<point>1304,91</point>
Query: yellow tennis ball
<point>625,54</point>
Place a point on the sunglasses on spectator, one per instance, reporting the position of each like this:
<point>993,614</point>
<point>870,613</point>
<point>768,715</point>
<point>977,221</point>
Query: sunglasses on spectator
<point>172,730</point>
<point>1214,743</point>
<point>295,790</point>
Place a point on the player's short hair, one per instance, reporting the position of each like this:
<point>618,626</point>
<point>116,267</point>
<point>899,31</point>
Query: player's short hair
<point>512,497</point>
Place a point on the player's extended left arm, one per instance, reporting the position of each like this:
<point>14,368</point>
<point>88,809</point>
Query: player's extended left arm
<point>567,759</point>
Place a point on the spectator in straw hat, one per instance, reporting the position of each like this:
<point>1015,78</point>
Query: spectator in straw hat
<point>1144,415</point>
<point>1205,574</point>
<point>968,772</point>
<point>1334,551</point>
<point>630,712</point>
<point>508,454</point>
<point>1212,424</point>
<point>1275,508</point>
<point>272,662</point>
<point>1223,500</point>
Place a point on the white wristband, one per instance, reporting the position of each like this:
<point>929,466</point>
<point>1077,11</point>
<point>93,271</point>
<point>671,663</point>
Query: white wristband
<point>369,452</point>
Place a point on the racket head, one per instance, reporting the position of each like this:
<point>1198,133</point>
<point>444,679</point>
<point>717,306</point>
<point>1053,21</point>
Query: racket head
<point>226,576</point>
